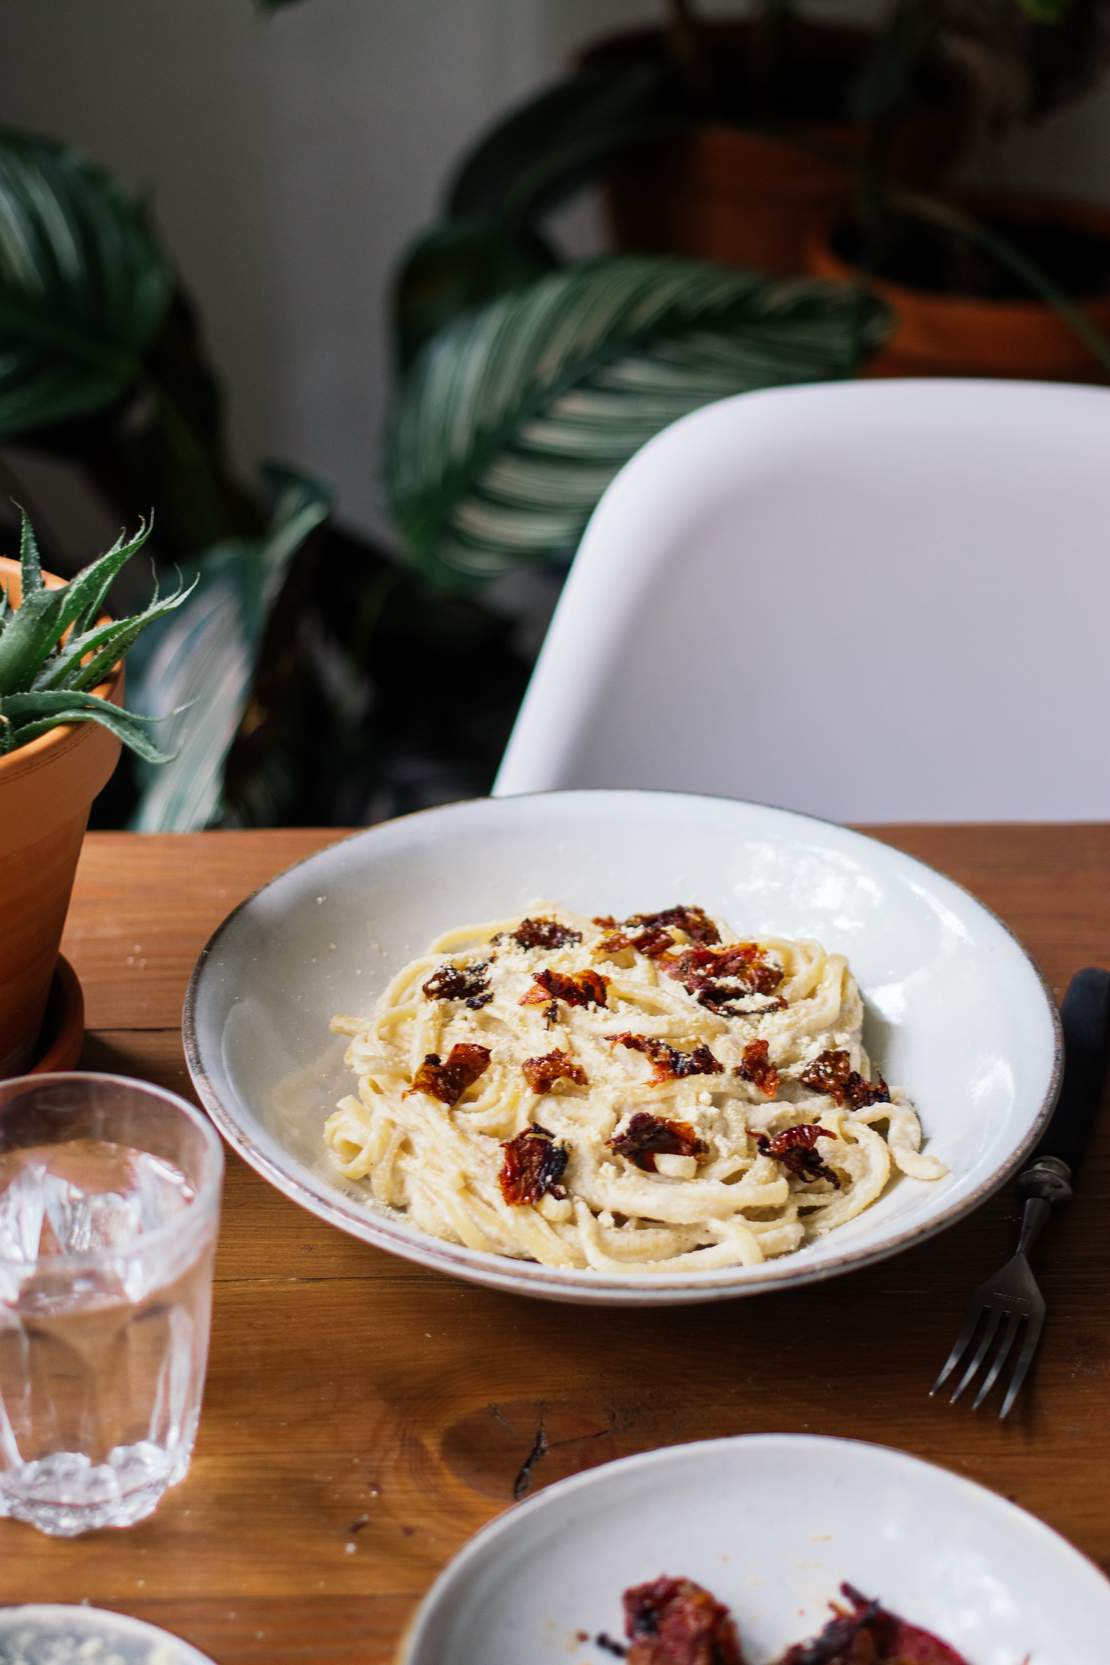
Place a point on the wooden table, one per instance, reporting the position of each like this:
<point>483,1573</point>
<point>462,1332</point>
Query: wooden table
<point>364,1417</point>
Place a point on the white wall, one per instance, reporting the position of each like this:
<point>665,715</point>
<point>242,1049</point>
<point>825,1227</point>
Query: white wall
<point>291,155</point>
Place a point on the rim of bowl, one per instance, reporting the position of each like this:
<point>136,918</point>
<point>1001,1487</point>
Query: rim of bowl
<point>123,1624</point>
<point>205,1201</point>
<point>392,1232</point>
<point>509,1517</point>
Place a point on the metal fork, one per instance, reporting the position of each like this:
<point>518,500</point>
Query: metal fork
<point>1012,1293</point>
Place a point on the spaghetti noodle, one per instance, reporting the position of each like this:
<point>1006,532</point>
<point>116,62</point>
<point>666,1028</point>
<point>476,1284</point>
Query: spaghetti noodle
<point>651,1095</point>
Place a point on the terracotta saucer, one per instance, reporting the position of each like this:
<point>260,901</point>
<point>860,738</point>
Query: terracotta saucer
<point>63,1028</point>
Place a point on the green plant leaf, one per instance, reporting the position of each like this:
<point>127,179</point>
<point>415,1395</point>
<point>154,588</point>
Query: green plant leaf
<point>85,594</point>
<point>196,668</point>
<point>30,566</point>
<point>514,420</point>
<point>549,146</point>
<point>456,266</point>
<point>105,644</point>
<point>84,285</point>
<point>1046,11</point>
<point>26,716</point>
<point>28,639</point>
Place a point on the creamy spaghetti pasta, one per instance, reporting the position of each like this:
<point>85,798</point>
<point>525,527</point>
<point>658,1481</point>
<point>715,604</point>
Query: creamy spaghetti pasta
<point>652,1094</point>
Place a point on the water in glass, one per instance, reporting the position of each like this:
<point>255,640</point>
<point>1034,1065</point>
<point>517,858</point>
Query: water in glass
<point>105,1288</point>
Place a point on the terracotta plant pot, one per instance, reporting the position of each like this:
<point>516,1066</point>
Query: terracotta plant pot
<point>46,790</point>
<point>960,335</point>
<point>750,197</point>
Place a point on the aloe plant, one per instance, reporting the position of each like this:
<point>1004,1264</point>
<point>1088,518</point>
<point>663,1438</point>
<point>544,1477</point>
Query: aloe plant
<point>56,646</point>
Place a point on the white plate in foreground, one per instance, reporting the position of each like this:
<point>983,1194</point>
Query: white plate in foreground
<point>957,1014</point>
<point>771,1524</point>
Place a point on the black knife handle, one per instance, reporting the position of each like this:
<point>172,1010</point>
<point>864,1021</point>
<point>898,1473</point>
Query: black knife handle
<point>1085,1016</point>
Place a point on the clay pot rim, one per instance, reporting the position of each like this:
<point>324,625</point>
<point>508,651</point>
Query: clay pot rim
<point>48,748</point>
<point>1019,205</point>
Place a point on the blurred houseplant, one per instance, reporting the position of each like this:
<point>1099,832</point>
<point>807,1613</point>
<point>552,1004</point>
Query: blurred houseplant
<point>772,118</point>
<point>991,283</point>
<point>729,139</point>
<point>512,419</point>
<point>61,726</point>
<point>786,144</point>
<point>312,668</point>
<point>294,656</point>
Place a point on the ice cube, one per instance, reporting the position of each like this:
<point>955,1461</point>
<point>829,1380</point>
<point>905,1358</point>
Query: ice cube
<point>22,1207</point>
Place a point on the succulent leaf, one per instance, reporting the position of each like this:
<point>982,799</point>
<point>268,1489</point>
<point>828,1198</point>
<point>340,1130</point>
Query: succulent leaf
<point>30,633</point>
<point>86,659</point>
<point>30,566</point>
<point>30,715</point>
<point>56,645</point>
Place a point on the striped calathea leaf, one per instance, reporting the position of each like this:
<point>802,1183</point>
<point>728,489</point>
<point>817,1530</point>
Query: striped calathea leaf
<point>515,417</point>
<point>84,285</point>
<point>196,671</point>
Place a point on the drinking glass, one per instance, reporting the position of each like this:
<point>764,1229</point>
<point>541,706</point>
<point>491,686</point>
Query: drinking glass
<point>109,1206</point>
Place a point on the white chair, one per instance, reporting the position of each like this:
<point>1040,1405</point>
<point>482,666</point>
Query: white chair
<point>874,601</point>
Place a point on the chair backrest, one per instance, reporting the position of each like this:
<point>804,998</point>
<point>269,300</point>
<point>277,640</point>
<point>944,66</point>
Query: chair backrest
<point>871,601</point>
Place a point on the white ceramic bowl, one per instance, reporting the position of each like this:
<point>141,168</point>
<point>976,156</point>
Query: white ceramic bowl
<point>49,1635</point>
<point>957,1014</point>
<point>771,1524</point>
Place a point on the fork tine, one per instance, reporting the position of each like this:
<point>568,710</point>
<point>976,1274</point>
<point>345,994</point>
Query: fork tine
<point>1003,1353</point>
<point>963,1342</point>
<point>1024,1360</point>
<point>994,1318</point>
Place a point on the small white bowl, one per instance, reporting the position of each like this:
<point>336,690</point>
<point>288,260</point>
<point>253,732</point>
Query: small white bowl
<point>957,1014</point>
<point>65,1635</point>
<point>771,1524</point>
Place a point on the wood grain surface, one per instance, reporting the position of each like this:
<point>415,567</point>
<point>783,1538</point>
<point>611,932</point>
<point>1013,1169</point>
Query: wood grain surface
<point>364,1417</point>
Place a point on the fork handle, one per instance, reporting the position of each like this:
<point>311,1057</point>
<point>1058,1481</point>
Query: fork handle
<point>1085,1016</point>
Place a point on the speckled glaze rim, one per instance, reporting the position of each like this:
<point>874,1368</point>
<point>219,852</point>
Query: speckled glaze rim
<point>117,1625</point>
<point>390,1232</point>
<point>508,1520</point>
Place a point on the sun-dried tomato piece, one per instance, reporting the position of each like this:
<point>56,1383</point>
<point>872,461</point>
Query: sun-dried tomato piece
<point>576,988</point>
<point>832,1074</point>
<point>544,933</point>
<point>694,922</point>
<point>461,982</point>
<point>449,1081</point>
<point>866,1634</point>
<point>860,1093</point>
<point>541,1074</point>
<point>674,1621</point>
<point>650,943</point>
<point>756,1066</point>
<point>668,1063</point>
<point>706,973</point>
<point>795,1148</point>
<point>845,1640</point>
<point>532,1167</point>
<point>828,1073</point>
<point>648,1136</point>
